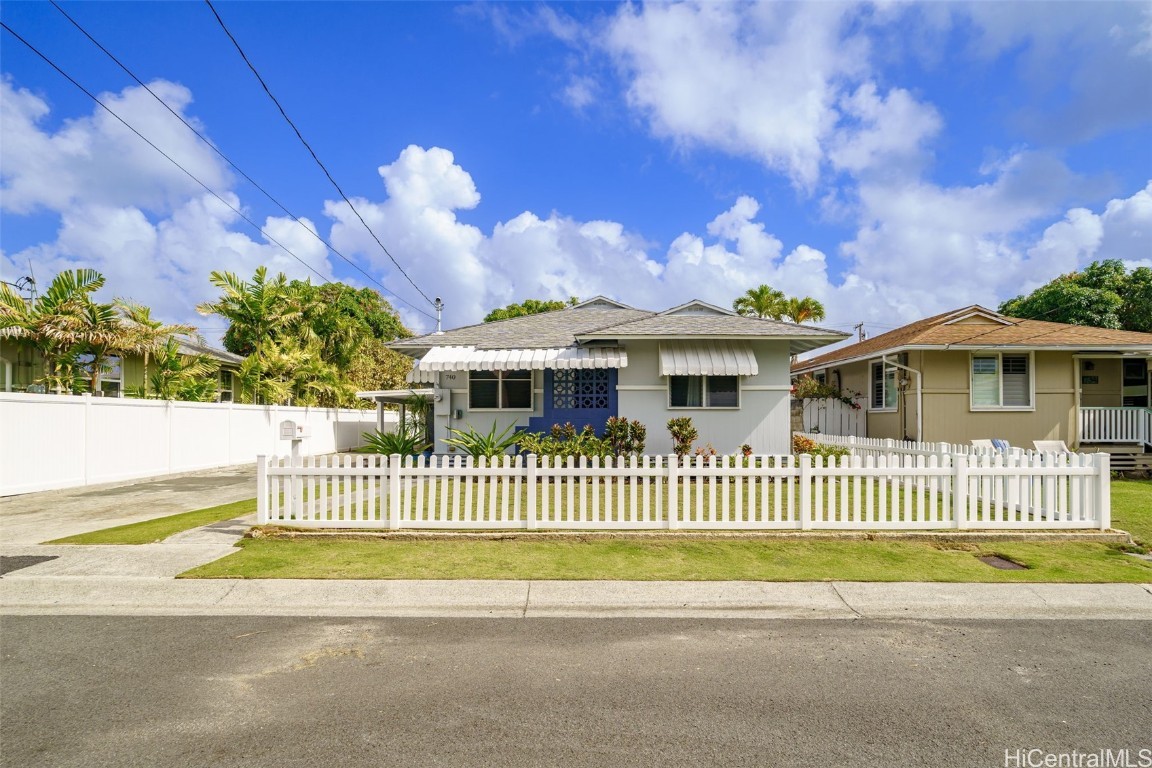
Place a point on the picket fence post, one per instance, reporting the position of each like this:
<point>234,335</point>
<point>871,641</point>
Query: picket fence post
<point>394,491</point>
<point>1104,490</point>
<point>261,490</point>
<point>673,512</point>
<point>960,489</point>
<point>805,491</point>
<point>531,459</point>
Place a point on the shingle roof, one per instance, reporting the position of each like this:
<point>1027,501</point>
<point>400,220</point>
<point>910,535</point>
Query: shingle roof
<point>937,331</point>
<point>189,347</point>
<point>585,323</point>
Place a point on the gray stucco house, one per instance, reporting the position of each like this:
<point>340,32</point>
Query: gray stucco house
<point>601,358</point>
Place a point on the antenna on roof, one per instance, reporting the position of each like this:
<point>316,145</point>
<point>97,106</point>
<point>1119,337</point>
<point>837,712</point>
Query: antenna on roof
<point>860,331</point>
<point>439,304</point>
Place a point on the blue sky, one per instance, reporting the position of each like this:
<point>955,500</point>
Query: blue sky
<point>891,160</point>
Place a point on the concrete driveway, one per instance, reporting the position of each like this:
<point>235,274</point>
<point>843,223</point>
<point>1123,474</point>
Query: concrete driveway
<point>33,518</point>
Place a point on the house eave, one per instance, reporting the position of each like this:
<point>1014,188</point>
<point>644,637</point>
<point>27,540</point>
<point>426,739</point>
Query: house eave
<point>1076,349</point>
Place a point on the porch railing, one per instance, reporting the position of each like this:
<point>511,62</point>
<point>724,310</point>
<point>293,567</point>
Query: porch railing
<point>1116,425</point>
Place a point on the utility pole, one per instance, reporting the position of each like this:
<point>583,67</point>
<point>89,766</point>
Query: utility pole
<point>860,331</point>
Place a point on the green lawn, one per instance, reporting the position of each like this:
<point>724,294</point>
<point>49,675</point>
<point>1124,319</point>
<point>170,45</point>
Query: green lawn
<point>151,531</point>
<point>658,560</point>
<point>670,560</point>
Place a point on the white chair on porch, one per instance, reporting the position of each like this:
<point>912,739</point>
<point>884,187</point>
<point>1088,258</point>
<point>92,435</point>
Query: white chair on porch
<point>1051,446</point>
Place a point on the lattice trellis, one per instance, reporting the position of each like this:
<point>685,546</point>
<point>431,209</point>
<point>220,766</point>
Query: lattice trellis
<point>574,388</point>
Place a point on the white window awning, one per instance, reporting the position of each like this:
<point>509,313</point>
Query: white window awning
<point>472,359</point>
<point>714,358</point>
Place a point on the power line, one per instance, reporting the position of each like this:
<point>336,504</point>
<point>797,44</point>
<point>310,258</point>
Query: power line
<point>237,168</point>
<point>307,146</point>
<point>190,175</point>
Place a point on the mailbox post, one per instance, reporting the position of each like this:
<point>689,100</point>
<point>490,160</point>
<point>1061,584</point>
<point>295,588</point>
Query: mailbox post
<point>290,430</point>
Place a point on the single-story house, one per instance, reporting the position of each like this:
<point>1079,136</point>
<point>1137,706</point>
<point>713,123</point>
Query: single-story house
<point>22,368</point>
<point>601,358</point>
<point>976,374</point>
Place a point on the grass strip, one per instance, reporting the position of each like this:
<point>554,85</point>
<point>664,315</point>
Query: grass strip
<point>676,561</point>
<point>151,531</point>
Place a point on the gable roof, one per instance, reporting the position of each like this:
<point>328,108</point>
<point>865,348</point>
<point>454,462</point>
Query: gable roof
<point>977,327</point>
<point>598,320</point>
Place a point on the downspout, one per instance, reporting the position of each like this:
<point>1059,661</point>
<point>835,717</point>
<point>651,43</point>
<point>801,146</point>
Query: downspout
<point>919,396</point>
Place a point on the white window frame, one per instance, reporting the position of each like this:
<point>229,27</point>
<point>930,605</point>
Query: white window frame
<point>1031,355</point>
<point>889,370</point>
<point>500,393</point>
<point>114,362</point>
<point>230,390</point>
<point>705,392</point>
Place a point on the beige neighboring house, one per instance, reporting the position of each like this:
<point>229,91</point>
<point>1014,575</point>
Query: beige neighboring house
<point>976,374</point>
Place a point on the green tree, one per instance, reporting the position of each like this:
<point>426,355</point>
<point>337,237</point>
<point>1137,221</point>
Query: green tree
<point>57,323</point>
<point>147,335</point>
<point>257,312</point>
<point>182,377</point>
<point>529,307</point>
<point>803,310</point>
<point>762,301</point>
<point>1104,294</point>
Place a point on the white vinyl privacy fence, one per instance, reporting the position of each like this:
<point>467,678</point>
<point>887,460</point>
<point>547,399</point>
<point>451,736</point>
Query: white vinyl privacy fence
<point>65,441</point>
<point>901,492</point>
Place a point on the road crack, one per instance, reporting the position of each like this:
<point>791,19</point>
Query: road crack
<point>527,597</point>
<point>846,604</point>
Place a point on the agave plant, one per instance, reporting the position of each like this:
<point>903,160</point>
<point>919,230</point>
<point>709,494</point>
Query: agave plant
<point>477,444</point>
<point>389,443</point>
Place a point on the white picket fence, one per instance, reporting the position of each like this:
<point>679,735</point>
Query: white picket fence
<point>832,416</point>
<point>896,492</point>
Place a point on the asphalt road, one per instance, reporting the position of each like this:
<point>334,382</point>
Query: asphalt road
<point>267,691</point>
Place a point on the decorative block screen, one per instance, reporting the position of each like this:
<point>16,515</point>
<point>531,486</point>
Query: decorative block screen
<point>574,388</point>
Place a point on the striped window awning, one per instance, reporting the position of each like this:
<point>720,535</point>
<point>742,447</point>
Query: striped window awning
<point>714,358</point>
<point>472,359</point>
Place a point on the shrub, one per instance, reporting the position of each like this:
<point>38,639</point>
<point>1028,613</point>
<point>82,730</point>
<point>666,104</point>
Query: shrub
<point>488,445</point>
<point>807,388</point>
<point>395,442</point>
<point>802,444</point>
<point>683,435</point>
<point>625,437</point>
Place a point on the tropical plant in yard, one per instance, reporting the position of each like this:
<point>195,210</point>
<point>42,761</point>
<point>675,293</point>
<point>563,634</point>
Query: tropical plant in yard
<point>53,323</point>
<point>147,335</point>
<point>103,335</point>
<point>683,435</point>
<point>564,440</point>
<point>257,312</point>
<point>182,377</point>
<point>404,443</point>
<point>487,444</point>
<point>625,437</point>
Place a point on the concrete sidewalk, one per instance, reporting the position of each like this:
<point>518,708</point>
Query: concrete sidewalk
<point>23,592</point>
<point>139,580</point>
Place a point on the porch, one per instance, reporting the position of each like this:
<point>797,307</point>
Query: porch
<point>1116,426</point>
<point>1113,398</point>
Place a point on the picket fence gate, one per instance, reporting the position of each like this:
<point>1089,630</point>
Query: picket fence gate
<point>893,492</point>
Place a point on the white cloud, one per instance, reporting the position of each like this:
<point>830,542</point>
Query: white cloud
<point>129,213</point>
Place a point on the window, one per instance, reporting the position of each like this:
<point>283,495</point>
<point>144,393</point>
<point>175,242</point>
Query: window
<point>499,390</point>
<point>1135,384</point>
<point>884,389</point>
<point>703,392</point>
<point>111,376</point>
<point>226,386</point>
<point>1001,381</point>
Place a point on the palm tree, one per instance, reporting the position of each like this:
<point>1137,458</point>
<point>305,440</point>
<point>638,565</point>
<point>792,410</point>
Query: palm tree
<point>257,312</point>
<point>102,334</point>
<point>804,310</point>
<point>183,377</point>
<point>149,336</point>
<point>763,301</point>
<point>55,323</point>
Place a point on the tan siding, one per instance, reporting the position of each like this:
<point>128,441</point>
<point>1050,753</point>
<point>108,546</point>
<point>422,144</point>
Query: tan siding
<point>947,418</point>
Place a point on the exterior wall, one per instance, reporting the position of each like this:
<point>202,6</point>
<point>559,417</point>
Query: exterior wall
<point>948,415</point>
<point>1106,392</point>
<point>65,441</point>
<point>453,387</point>
<point>762,420</point>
